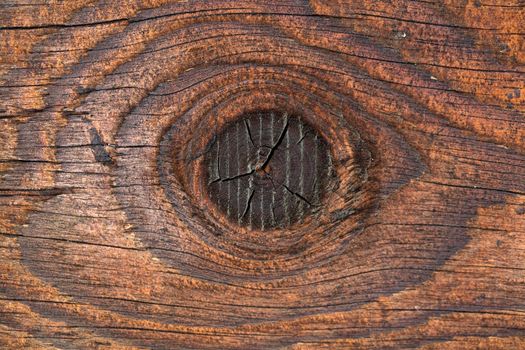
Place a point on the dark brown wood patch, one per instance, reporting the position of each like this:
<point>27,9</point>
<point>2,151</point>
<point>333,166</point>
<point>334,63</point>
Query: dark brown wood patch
<point>268,169</point>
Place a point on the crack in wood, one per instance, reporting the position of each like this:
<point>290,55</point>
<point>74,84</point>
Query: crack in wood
<point>270,169</point>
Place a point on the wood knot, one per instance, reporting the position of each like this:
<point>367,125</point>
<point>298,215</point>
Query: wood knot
<point>268,169</point>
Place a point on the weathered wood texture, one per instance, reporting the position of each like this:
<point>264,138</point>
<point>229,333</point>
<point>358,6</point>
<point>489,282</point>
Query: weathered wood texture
<point>108,238</point>
<point>267,170</point>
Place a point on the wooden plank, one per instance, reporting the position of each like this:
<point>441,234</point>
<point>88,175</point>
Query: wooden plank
<point>113,113</point>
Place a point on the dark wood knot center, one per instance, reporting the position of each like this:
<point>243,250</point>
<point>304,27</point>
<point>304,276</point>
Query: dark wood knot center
<point>268,169</point>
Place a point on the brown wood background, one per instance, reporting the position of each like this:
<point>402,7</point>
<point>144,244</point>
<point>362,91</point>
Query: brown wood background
<point>107,240</point>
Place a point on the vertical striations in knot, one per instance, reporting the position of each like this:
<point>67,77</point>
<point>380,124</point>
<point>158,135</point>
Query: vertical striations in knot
<point>268,169</point>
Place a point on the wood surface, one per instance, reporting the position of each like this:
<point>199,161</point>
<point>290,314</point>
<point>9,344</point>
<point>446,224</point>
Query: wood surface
<point>109,238</point>
<point>267,170</point>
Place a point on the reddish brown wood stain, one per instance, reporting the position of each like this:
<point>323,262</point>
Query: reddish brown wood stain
<point>110,234</point>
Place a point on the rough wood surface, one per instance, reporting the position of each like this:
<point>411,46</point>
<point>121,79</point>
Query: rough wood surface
<point>267,170</point>
<point>109,240</point>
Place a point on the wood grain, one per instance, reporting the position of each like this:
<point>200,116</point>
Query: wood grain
<point>109,238</point>
<point>267,170</point>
